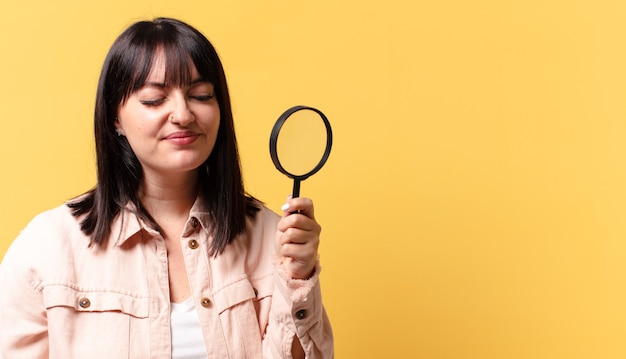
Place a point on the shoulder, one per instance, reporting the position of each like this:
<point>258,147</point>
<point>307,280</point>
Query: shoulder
<point>48,224</point>
<point>267,215</point>
<point>260,232</point>
<point>45,240</point>
<point>264,220</point>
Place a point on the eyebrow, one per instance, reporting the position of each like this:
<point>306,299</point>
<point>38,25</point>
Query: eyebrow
<point>163,85</point>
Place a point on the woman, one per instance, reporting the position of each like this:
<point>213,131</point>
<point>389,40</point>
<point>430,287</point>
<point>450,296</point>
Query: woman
<point>167,256</point>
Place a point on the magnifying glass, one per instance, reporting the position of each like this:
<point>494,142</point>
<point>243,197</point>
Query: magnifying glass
<point>302,140</point>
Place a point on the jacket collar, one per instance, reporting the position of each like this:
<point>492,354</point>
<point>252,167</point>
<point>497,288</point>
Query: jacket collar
<point>128,224</point>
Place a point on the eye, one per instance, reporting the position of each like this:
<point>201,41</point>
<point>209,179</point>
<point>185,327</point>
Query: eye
<point>152,103</point>
<point>201,91</point>
<point>203,97</point>
<point>152,95</point>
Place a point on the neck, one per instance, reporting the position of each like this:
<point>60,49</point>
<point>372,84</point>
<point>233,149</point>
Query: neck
<point>169,198</point>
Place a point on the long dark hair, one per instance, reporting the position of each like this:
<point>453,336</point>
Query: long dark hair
<point>125,70</point>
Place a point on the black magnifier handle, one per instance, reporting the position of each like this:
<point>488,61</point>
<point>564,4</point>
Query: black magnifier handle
<point>296,191</point>
<point>296,188</point>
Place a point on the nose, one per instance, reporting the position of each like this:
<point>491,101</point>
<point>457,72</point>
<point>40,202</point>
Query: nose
<point>181,114</point>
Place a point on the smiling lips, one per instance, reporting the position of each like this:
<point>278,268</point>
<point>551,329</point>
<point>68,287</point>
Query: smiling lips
<point>182,138</point>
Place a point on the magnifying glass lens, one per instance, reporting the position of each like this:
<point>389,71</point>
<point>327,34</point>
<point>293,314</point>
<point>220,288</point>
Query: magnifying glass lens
<point>301,142</point>
<point>300,147</point>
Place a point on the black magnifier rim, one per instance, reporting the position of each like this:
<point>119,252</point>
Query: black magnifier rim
<point>274,139</point>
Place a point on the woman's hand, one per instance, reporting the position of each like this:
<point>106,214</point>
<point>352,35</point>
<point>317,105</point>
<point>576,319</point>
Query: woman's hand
<point>298,237</point>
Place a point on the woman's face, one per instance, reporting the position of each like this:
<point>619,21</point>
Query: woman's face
<point>170,129</point>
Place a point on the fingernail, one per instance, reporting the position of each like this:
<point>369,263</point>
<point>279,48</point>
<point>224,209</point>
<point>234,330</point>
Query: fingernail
<point>285,207</point>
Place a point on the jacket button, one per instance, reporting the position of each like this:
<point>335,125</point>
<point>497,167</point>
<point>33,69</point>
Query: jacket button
<point>194,222</point>
<point>301,314</point>
<point>193,244</point>
<point>84,303</point>
<point>205,302</point>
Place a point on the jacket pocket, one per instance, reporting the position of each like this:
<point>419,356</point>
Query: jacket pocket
<point>91,323</point>
<point>238,316</point>
<point>235,293</point>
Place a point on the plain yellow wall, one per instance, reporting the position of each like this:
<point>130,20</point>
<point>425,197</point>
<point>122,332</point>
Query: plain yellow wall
<point>474,202</point>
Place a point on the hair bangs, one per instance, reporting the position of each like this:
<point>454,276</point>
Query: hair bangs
<point>178,52</point>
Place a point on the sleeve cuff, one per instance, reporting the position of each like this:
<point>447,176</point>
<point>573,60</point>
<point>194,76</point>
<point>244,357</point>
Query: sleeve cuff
<point>298,290</point>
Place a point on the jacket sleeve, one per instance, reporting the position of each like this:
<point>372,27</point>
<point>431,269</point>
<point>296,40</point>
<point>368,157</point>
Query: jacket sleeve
<point>23,323</point>
<point>297,309</point>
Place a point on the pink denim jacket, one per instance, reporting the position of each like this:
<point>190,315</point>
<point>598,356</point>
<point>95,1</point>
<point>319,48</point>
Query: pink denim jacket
<point>61,298</point>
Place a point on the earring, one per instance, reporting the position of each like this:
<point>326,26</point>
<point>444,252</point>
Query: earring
<point>119,132</point>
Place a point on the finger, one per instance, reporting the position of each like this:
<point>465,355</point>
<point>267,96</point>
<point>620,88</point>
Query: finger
<point>298,236</point>
<point>301,205</point>
<point>299,259</point>
<point>298,222</point>
<point>299,252</point>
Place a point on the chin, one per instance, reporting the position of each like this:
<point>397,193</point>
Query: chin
<point>189,163</point>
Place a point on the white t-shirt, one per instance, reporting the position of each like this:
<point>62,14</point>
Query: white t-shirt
<point>187,338</point>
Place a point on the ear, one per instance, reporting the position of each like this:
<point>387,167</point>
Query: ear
<point>118,128</point>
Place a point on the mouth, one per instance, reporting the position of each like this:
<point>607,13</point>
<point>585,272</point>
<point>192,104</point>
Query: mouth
<point>182,138</point>
<point>181,134</point>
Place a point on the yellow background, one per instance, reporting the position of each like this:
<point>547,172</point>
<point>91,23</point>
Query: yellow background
<point>474,202</point>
